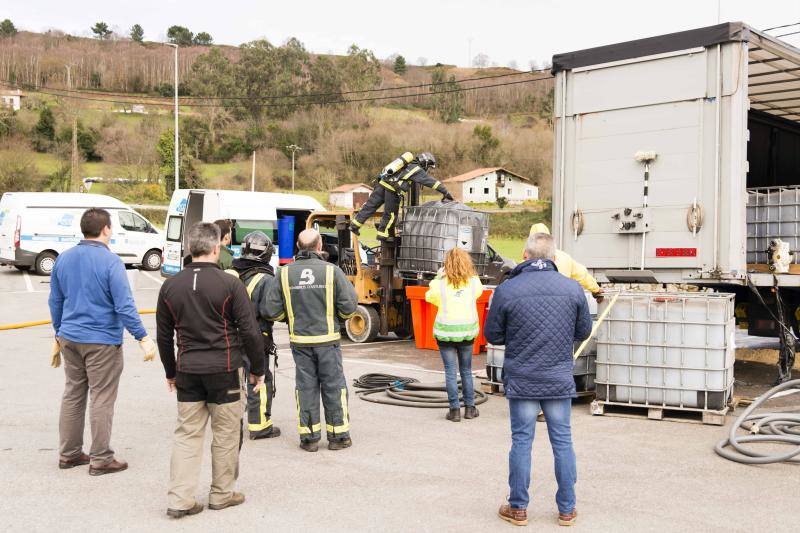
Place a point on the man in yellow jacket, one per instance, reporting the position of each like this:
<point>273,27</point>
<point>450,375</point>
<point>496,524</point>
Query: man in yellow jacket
<point>571,268</point>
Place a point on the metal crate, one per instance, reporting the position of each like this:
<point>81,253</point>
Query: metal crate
<point>772,213</point>
<point>430,230</point>
<point>669,350</point>
<point>583,371</point>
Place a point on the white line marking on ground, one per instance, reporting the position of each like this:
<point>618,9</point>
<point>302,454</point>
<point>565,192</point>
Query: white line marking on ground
<point>28,284</point>
<point>159,281</point>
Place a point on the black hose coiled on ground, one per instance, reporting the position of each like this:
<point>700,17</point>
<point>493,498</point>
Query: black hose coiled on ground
<point>783,428</point>
<point>406,392</point>
<point>381,381</point>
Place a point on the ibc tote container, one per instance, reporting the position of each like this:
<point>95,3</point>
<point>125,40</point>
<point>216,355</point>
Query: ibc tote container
<point>430,230</point>
<point>669,350</point>
<point>772,213</point>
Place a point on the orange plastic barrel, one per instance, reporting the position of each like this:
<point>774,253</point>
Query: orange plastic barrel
<point>423,315</point>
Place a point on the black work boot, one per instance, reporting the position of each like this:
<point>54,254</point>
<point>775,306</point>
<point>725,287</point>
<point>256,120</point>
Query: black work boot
<point>355,229</point>
<point>471,411</point>
<point>454,414</point>
<point>269,433</point>
<point>340,444</point>
<point>309,446</point>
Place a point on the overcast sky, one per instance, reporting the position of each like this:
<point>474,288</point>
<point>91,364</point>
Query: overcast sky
<point>443,31</point>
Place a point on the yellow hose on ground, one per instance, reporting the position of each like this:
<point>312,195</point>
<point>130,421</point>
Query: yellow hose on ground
<point>21,325</point>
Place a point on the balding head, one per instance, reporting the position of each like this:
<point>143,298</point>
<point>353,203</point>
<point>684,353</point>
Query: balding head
<point>309,240</point>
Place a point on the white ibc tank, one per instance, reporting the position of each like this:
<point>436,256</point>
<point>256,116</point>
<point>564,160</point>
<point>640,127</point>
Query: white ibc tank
<point>667,349</point>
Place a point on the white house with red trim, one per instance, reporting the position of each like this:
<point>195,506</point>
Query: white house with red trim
<point>349,196</point>
<point>485,185</point>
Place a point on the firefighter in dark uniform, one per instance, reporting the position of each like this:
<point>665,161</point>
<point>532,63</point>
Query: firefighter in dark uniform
<point>395,180</point>
<point>313,296</point>
<point>254,270</point>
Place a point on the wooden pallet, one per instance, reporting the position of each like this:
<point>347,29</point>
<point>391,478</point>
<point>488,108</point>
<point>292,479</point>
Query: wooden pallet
<point>709,417</point>
<point>490,387</point>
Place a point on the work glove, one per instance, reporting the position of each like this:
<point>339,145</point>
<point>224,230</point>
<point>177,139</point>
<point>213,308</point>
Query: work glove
<point>148,347</point>
<point>447,198</point>
<point>55,355</point>
<point>598,296</point>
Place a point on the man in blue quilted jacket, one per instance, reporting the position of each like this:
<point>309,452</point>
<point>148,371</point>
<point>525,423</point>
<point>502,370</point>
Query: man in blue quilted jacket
<point>538,314</point>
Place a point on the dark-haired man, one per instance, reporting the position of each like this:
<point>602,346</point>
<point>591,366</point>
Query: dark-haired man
<point>90,304</point>
<point>225,238</point>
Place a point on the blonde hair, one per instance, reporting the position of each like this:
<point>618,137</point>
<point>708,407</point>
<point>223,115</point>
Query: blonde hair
<point>458,267</point>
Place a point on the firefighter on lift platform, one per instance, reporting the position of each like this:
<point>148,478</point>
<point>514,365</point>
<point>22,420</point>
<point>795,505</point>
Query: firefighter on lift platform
<point>395,179</point>
<point>254,270</point>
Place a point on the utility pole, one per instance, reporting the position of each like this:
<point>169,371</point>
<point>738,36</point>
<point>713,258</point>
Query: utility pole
<point>253,177</point>
<point>177,136</point>
<point>294,148</point>
<point>73,166</point>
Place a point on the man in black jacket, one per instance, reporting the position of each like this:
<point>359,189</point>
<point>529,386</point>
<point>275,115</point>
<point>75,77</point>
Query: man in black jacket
<point>254,270</point>
<point>216,329</point>
<point>313,295</point>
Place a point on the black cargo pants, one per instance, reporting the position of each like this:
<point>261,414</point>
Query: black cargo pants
<point>390,201</point>
<point>318,371</point>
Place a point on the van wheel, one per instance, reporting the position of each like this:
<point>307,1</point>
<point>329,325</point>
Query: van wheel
<point>364,326</point>
<point>22,268</point>
<point>44,263</point>
<point>152,260</point>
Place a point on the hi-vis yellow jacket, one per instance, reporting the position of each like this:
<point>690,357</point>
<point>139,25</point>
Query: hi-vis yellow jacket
<point>568,266</point>
<point>457,319</point>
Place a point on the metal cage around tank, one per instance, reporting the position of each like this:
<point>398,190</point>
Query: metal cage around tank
<point>772,213</point>
<point>667,350</point>
<point>430,230</point>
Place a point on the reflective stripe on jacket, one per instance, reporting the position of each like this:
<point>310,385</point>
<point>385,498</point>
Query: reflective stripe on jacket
<point>312,295</point>
<point>457,318</point>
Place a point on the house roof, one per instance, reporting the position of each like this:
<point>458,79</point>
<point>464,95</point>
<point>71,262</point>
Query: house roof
<point>480,172</point>
<point>347,187</point>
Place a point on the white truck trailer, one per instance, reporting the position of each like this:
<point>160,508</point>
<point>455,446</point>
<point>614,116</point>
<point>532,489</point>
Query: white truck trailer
<point>660,143</point>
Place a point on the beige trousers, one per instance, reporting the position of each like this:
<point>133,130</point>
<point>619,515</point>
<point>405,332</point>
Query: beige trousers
<point>187,451</point>
<point>93,370</point>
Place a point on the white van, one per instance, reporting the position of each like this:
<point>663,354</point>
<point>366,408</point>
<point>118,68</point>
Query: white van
<point>249,211</point>
<point>37,226</point>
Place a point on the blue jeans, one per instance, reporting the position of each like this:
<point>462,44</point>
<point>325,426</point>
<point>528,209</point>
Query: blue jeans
<point>464,356</point>
<point>523,426</point>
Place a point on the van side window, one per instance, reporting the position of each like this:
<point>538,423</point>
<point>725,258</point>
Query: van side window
<point>174,227</point>
<point>132,221</point>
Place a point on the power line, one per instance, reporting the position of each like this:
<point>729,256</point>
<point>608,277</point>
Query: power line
<point>289,96</point>
<point>790,33</point>
<point>779,27</point>
<point>287,104</point>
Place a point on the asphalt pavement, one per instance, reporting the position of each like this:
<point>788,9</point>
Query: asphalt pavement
<point>408,470</point>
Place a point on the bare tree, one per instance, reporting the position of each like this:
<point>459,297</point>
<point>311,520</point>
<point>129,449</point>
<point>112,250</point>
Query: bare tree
<point>513,64</point>
<point>481,60</point>
<point>422,61</point>
<point>533,64</point>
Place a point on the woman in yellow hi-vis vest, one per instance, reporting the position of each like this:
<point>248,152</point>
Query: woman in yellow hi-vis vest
<point>454,291</point>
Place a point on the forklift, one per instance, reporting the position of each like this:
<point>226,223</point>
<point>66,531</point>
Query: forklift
<point>382,304</point>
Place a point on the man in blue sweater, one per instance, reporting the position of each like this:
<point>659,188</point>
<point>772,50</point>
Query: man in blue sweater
<point>90,303</point>
<point>538,314</point>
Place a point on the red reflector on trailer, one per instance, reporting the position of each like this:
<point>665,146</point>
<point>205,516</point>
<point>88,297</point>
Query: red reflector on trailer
<point>676,252</point>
